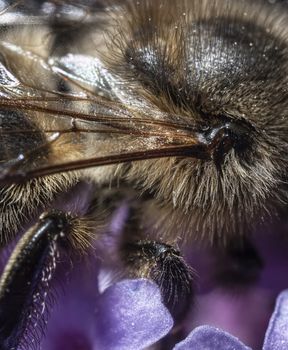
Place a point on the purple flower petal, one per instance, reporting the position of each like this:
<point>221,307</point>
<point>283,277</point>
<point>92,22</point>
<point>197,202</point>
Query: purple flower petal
<point>130,315</point>
<point>210,338</point>
<point>277,334</point>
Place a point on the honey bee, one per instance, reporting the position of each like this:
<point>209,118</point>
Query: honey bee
<point>179,109</point>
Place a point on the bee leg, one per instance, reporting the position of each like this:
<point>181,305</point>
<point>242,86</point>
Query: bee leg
<point>23,274</point>
<point>163,264</point>
<point>240,264</point>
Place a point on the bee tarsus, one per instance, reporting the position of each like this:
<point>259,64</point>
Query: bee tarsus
<point>163,264</point>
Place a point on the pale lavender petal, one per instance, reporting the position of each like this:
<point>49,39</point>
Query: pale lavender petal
<point>130,315</point>
<point>277,334</point>
<point>210,338</point>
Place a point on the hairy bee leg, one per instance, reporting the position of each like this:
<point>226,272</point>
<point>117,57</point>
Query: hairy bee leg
<point>163,264</point>
<point>23,273</point>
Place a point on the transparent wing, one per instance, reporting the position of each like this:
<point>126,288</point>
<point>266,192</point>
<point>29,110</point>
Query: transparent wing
<point>44,137</point>
<point>67,112</point>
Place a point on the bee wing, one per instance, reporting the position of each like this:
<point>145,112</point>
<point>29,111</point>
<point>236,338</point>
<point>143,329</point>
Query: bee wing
<point>94,120</point>
<point>44,131</point>
<point>44,137</point>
